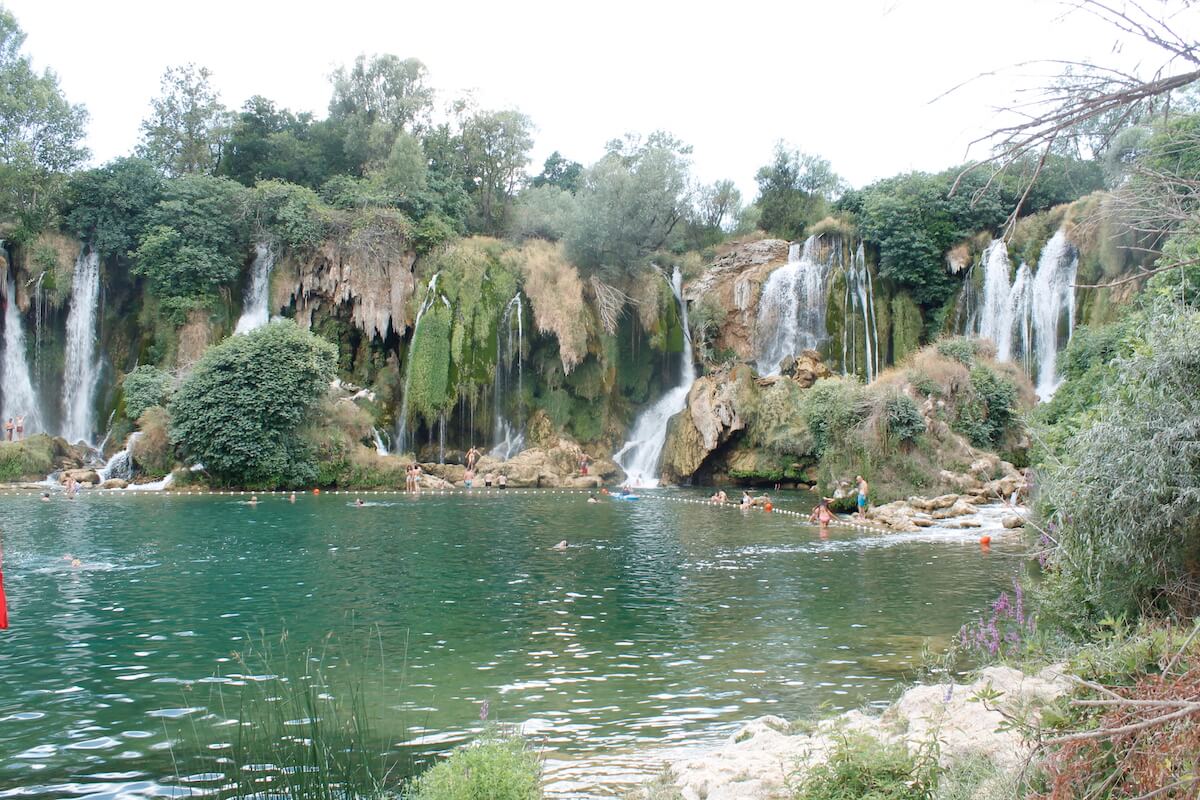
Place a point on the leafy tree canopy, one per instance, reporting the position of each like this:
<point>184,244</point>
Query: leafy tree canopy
<point>794,191</point>
<point>188,126</point>
<point>239,411</point>
<point>108,206</point>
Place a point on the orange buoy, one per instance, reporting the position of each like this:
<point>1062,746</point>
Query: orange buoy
<point>316,491</point>
<point>768,507</point>
<point>985,542</point>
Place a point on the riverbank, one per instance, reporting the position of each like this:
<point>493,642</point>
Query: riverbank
<point>767,755</point>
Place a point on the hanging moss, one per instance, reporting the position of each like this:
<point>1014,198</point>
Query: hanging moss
<point>429,388</point>
<point>907,325</point>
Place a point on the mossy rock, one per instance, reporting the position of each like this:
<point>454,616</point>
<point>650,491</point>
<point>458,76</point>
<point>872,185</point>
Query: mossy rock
<point>28,460</point>
<point>907,324</point>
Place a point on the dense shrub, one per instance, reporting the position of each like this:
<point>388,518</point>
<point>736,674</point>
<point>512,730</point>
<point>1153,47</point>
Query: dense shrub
<point>830,408</point>
<point>152,451</point>
<point>493,769</point>
<point>960,348</point>
<point>239,410</point>
<point>107,206</point>
<point>903,418</point>
<point>144,387</point>
<point>863,768</point>
<point>31,459</point>
<point>984,418</point>
<point>1123,502</point>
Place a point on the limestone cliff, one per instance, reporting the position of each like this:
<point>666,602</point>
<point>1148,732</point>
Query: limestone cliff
<point>368,272</point>
<point>733,283</point>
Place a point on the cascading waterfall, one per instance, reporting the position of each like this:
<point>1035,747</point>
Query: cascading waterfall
<point>639,456</point>
<point>377,437</point>
<point>256,305</point>
<point>508,437</point>
<point>121,463</point>
<point>82,369</point>
<point>1053,309</point>
<point>860,315</point>
<point>20,399</point>
<point>791,311</point>
<point>1032,318</point>
<point>402,433</point>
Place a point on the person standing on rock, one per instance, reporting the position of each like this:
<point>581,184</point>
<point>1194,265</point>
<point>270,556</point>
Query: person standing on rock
<point>472,458</point>
<point>863,489</point>
<point>8,429</point>
<point>502,481</point>
<point>20,428</point>
<point>585,461</point>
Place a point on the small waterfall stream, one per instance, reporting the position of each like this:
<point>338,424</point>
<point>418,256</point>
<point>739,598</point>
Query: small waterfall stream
<point>639,456</point>
<point>82,367</point>
<point>256,305</point>
<point>402,443</point>
<point>1032,318</point>
<point>860,319</point>
<point>121,463</point>
<point>508,438</point>
<point>791,311</point>
<point>20,399</point>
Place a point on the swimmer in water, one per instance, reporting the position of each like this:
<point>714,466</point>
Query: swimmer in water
<point>592,498</point>
<point>746,501</point>
<point>45,497</point>
<point>253,501</point>
<point>561,545</point>
<point>292,497</point>
<point>358,502</point>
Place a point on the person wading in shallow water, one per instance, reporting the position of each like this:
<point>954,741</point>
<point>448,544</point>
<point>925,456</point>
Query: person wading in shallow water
<point>822,515</point>
<point>863,499</point>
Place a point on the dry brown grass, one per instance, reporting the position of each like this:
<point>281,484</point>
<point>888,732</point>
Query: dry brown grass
<point>194,337</point>
<point>555,291</point>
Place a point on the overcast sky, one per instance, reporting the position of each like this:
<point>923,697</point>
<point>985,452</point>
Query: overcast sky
<point>851,80</point>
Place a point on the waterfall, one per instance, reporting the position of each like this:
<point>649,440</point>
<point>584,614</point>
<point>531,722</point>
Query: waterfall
<point>256,305</point>
<point>639,456</point>
<point>860,302</point>
<point>508,437</point>
<point>121,464</point>
<point>402,433</point>
<point>380,447</point>
<point>20,399</point>
<point>82,368</point>
<point>791,311</point>
<point>1053,309</point>
<point>1032,318</point>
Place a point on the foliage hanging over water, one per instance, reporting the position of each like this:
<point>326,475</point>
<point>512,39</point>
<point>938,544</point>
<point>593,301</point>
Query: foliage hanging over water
<point>239,410</point>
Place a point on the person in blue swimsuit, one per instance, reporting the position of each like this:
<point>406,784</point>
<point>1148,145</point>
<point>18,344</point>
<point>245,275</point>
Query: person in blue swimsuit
<point>863,489</point>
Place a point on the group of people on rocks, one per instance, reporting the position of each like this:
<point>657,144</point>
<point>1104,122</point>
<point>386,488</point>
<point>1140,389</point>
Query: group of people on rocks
<point>14,429</point>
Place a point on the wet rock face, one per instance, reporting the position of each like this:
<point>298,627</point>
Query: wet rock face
<point>734,282</point>
<point>374,279</point>
<point>709,420</point>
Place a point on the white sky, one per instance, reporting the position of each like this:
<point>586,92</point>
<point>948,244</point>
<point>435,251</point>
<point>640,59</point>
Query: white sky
<point>850,80</point>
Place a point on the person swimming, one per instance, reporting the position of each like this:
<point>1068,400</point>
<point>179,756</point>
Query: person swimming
<point>358,502</point>
<point>561,545</point>
<point>592,498</point>
<point>292,497</point>
<point>253,501</point>
<point>45,497</point>
<point>719,497</point>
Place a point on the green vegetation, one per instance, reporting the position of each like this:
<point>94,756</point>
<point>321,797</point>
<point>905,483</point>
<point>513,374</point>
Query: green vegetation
<point>863,768</point>
<point>239,410</point>
<point>146,386</point>
<point>496,767</point>
<point>28,460</point>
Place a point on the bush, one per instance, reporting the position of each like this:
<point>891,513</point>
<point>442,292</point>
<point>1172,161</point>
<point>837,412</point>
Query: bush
<point>495,768</point>
<point>904,420</point>
<point>144,387</point>
<point>962,349</point>
<point>989,410</point>
<point>831,408</point>
<point>152,450</point>
<point>29,460</point>
<point>240,409</point>
<point>863,768</point>
<point>1123,503</point>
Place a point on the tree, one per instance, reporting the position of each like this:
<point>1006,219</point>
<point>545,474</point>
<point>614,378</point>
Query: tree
<point>187,126</point>
<point>242,406</point>
<point>40,137</point>
<point>374,100</point>
<point>559,172</point>
<point>718,205</point>
<point>269,143</point>
<point>108,206</point>
<point>195,239</point>
<point>794,191</point>
<point>629,204</point>
<point>495,149</point>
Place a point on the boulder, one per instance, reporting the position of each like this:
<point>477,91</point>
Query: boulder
<point>709,420</point>
<point>806,369</point>
<point>80,475</point>
<point>114,483</point>
<point>958,509</point>
<point>1012,521</point>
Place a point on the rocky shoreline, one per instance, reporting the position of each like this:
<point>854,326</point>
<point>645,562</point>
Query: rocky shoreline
<point>761,759</point>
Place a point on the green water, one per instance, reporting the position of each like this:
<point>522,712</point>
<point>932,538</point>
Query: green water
<point>664,622</point>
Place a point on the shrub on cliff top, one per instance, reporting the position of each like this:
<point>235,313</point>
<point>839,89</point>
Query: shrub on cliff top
<point>239,410</point>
